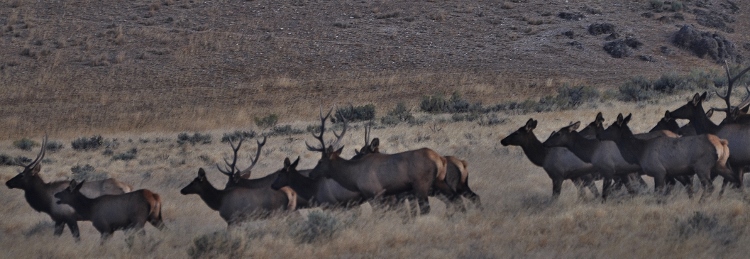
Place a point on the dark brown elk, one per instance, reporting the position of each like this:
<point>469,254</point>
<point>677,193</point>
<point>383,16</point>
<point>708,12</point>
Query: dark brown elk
<point>734,131</point>
<point>376,175</point>
<point>40,194</point>
<point>239,178</point>
<point>660,157</point>
<point>316,192</point>
<point>238,204</point>
<point>603,154</point>
<point>109,213</point>
<point>456,176</point>
<point>559,163</point>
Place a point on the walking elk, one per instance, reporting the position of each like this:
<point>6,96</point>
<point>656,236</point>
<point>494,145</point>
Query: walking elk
<point>40,194</point>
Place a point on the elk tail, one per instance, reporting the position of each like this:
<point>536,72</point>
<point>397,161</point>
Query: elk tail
<point>154,214</point>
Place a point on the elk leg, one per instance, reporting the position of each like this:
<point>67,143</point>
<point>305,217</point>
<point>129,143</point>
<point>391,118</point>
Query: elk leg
<point>589,182</point>
<point>659,182</point>
<point>465,191</point>
<point>446,190</point>
<point>579,183</point>
<point>59,227</point>
<point>73,226</point>
<point>556,188</point>
<point>606,187</point>
<point>708,187</point>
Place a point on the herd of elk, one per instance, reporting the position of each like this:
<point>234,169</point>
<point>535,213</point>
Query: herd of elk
<point>40,194</point>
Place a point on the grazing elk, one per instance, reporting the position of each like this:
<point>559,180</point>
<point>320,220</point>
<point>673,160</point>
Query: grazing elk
<point>109,213</point>
<point>559,163</point>
<point>238,204</point>
<point>40,194</point>
<point>456,175</point>
<point>376,175</point>
<point>318,192</point>
<point>660,157</point>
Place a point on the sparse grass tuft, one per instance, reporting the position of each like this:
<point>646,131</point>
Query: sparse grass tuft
<point>237,135</point>
<point>88,173</point>
<point>356,113</point>
<point>127,156</point>
<point>217,244</point>
<point>320,226</point>
<point>399,114</point>
<point>86,144</point>
<point>267,122</point>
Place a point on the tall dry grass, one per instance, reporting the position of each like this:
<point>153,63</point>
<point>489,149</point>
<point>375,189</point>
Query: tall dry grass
<point>519,218</point>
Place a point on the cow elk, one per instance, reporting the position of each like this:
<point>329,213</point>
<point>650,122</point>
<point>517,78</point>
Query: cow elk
<point>660,157</point>
<point>456,175</point>
<point>315,192</point>
<point>108,213</point>
<point>376,175</point>
<point>558,162</point>
<point>40,194</point>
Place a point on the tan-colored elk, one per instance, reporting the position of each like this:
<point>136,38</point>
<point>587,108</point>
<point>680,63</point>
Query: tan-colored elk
<point>40,194</point>
<point>108,213</point>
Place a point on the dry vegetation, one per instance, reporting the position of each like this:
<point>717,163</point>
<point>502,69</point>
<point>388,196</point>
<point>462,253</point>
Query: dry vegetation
<point>519,219</point>
<point>141,72</point>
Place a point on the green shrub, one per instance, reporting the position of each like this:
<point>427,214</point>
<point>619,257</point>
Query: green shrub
<point>399,114</point>
<point>54,146</point>
<point>267,122</point>
<point>669,83</point>
<point>196,138</point>
<point>86,144</point>
<point>356,113</point>
<point>25,144</point>
<point>285,130</point>
<point>11,161</point>
<point>456,104</point>
<point>635,90</point>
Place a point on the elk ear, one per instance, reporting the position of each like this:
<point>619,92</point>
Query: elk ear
<point>743,110</point>
<point>704,95</point>
<point>530,125</point>
<point>710,112</point>
<point>667,116</point>
<point>201,173</point>
<point>696,99</point>
<point>599,117</point>
<point>627,119</point>
<point>574,126</point>
<point>36,169</point>
<point>374,144</point>
<point>78,187</point>
<point>338,151</point>
<point>619,119</point>
<point>287,162</point>
<point>72,185</point>
<point>294,165</point>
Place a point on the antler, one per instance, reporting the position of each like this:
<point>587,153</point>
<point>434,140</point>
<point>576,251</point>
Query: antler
<point>730,84</point>
<point>368,129</point>
<point>230,169</point>
<point>339,137</point>
<point>254,161</point>
<point>319,137</point>
<point>39,156</point>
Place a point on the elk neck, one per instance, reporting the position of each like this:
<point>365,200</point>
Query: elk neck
<point>305,187</point>
<point>37,195</point>
<point>582,147</point>
<point>534,150</point>
<point>631,148</point>
<point>83,205</point>
<point>212,196</point>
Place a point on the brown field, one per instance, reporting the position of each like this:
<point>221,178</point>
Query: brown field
<point>141,72</point>
<point>519,219</point>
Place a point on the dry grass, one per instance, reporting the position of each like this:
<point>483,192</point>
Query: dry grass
<point>519,219</point>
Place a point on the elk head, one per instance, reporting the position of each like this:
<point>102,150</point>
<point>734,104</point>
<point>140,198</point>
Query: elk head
<point>522,135</point>
<point>369,147</point>
<point>30,172</point>
<point>617,130</point>
<point>691,108</point>
<point>559,138</point>
<point>328,154</point>
<point>284,176</point>
<point>230,169</point>
<point>70,194</point>
<point>198,185</point>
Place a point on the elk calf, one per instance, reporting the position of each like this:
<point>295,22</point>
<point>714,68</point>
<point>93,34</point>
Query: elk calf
<point>109,213</point>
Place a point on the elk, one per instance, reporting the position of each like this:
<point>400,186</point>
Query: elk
<point>40,194</point>
<point>239,178</point>
<point>660,157</point>
<point>732,128</point>
<point>456,176</point>
<point>238,204</point>
<point>109,213</point>
<point>376,175</point>
<point>321,191</point>
<point>558,162</point>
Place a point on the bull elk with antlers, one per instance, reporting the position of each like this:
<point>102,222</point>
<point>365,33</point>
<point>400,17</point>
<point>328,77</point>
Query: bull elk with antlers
<point>376,175</point>
<point>40,194</point>
<point>109,213</point>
